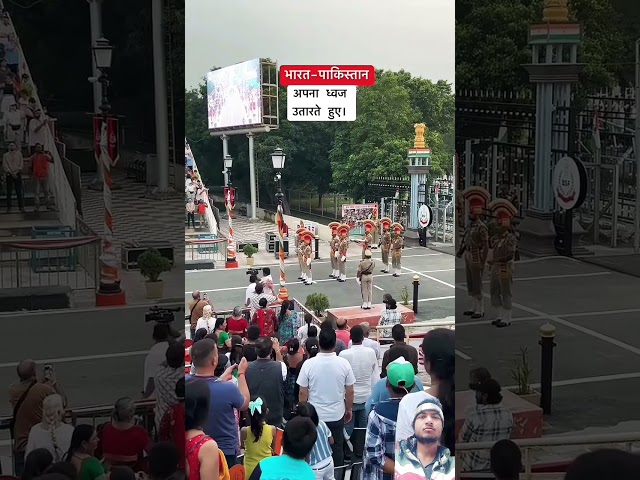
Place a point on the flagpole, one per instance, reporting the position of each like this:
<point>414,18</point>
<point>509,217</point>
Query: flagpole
<point>283,294</point>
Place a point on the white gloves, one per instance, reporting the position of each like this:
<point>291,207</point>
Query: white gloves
<point>337,255</point>
<point>359,281</point>
<point>343,259</point>
<point>308,261</point>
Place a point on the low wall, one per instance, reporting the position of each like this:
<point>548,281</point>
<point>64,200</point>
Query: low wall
<point>324,232</point>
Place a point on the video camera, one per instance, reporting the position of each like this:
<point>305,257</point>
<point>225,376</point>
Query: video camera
<point>161,315</point>
<point>253,271</point>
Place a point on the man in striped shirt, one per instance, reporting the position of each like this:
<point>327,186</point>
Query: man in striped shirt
<point>390,316</point>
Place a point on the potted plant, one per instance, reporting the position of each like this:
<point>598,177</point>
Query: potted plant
<point>318,303</point>
<point>152,265</point>
<point>521,374</point>
<point>404,295</point>
<point>249,250</point>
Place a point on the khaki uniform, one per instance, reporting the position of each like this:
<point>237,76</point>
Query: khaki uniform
<point>385,244</point>
<point>299,249</point>
<point>334,244</point>
<point>343,248</point>
<point>366,243</point>
<point>365,275</point>
<point>306,256</point>
<point>476,242</point>
<point>504,249</point>
<point>396,254</point>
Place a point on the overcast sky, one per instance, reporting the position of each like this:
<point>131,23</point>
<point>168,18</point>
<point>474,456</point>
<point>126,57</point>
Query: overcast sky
<point>415,35</point>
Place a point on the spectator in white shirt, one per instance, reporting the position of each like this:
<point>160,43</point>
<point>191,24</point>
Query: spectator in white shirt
<point>327,381</point>
<point>375,346</point>
<point>251,288</point>
<point>52,433</point>
<point>303,331</point>
<point>156,357</point>
<point>267,281</point>
<point>363,361</point>
<point>14,120</point>
<point>254,299</point>
<point>12,165</point>
<point>38,130</point>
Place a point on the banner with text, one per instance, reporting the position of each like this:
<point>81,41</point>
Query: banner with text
<point>322,93</point>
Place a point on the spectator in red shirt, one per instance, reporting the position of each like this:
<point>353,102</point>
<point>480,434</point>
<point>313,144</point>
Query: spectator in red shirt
<point>122,442</point>
<point>266,319</point>
<point>202,208</point>
<point>237,324</point>
<point>172,425</point>
<point>40,161</point>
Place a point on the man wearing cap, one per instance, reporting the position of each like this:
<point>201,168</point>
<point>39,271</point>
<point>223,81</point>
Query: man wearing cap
<point>334,243</point>
<point>369,225</point>
<point>306,256</point>
<point>385,243</point>
<point>341,254</point>
<point>421,455</point>
<point>378,461</point>
<point>397,244</point>
<point>365,279</point>
<point>476,248</point>
<point>299,248</point>
<point>486,421</point>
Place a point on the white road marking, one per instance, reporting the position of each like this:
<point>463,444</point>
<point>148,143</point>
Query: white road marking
<point>318,281</point>
<point>552,277</point>
<point>582,381</point>
<point>379,288</point>
<point>562,315</point>
<point>566,323</point>
<point>84,358</point>
<point>432,299</point>
<point>463,356</point>
<point>429,277</point>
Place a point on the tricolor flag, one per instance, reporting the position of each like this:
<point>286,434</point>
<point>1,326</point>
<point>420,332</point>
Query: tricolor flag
<point>597,126</point>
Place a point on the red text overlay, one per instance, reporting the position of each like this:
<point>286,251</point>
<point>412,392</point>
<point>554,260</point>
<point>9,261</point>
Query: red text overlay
<point>358,75</point>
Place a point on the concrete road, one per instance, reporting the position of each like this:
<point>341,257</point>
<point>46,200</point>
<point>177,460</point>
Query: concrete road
<point>597,355</point>
<point>226,288</point>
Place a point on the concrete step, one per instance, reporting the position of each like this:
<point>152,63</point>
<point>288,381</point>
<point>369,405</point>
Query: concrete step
<point>17,224</point>
<point>28,197</point>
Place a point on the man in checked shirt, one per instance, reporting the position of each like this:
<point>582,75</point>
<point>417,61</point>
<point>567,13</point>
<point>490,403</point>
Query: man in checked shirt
<point>487,421</point>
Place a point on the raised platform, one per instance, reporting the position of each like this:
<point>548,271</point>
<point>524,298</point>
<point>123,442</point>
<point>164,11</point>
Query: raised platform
<point>356,315</point>
<point>527,417</point>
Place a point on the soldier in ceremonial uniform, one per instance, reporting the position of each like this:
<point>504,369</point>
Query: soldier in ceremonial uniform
<point>385,243</point>
<point>299,246</point>
<point>365,279</point>
<point>504,244</point>
<point>367,241</point>
<point>333,243</point>
<point>475,246</point>
<point>341,254</point>
<point>397,244</point>
<point>307,238</point>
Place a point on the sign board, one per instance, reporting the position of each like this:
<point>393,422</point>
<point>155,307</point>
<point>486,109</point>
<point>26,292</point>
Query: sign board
<point>569,183</point>
<point>425,216</point>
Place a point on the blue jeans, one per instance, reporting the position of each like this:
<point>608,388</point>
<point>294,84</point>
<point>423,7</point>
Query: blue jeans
<point>358,421</point>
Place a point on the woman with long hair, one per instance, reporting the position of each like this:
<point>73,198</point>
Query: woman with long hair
<point>81,454</point>
<point>206,321</point>
<point>303,331</point>
<point>52,433</point>
<point>438,348</point>
<point>204,460</point>
<point>289,322</point>
<point>224,340</point>
<point>258,439</point>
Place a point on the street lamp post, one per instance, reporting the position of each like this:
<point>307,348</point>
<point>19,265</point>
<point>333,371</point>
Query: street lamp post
<point>109,292</point>
<point>229,202</point>
<point>278,157</point>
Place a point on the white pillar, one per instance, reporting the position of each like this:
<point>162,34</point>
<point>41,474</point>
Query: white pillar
<point>225,152</point>
<point>252,179</point>
<point>160,90</point>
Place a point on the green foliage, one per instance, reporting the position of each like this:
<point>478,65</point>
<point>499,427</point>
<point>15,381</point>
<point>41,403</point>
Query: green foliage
<point>152,264</point>
<point>249,250</point>
<point>404,295</point>
<point>340,157</point>
<point>521,372</point>
<point>318,302</point>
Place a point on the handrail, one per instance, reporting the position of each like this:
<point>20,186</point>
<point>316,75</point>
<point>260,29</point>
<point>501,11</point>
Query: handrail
<point>65,201</point>
<point>558,440</point>
<point>211,221</point>
<point>417,325</point>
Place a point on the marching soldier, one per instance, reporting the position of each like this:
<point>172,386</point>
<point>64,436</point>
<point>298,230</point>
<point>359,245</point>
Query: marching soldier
<point>333,243</point>
<point>299,246</point>
<point>369,225</point>
<point>365,279</point>
<point>501,264</point>
<point>341,254</point>
<point>307,238</point>
<point>397,244</point>
<point>475,247</point>
<point>385,243</point>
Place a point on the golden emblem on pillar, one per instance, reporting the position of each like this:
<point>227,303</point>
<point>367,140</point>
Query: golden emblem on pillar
<point>555,11</point>
<point>419,141</point>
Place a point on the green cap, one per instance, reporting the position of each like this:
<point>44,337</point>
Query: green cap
<point>400,373</point>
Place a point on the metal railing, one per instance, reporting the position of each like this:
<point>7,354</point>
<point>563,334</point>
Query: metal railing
<point>22,265</point>
<point>63,194</point>
<point>214,250</point>
<point>413,330</point>
<point>528,445</point>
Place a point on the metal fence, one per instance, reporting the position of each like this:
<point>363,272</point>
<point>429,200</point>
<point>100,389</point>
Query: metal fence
<point>206,250</point>
<point>443,227</point>
<point>327,206</point>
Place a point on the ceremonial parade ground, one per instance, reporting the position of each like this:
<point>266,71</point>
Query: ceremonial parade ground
<point>596,364</point>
